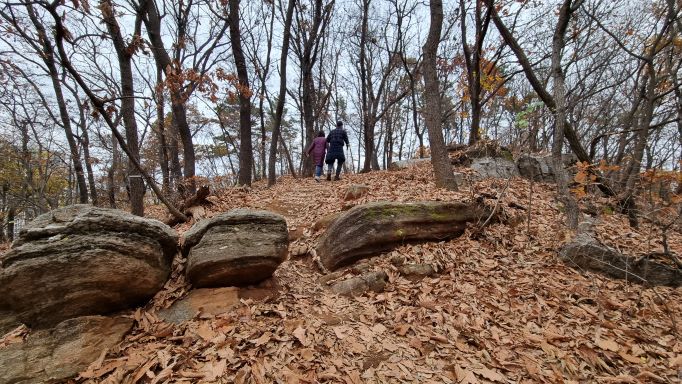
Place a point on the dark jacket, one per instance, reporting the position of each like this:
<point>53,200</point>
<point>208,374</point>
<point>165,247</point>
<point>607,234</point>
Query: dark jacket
<point>336,139</point>
<point>318,149</point>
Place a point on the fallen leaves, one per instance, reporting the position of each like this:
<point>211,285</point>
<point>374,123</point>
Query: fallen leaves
<point>502,308</point>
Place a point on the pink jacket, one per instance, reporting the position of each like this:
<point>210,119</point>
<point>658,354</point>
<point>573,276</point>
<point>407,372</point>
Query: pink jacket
<point>318,149</point>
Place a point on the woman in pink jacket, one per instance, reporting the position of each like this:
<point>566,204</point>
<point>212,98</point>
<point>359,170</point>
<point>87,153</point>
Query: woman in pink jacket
<point>318,149</point>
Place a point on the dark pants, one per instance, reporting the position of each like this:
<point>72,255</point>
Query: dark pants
<point>331,157</point>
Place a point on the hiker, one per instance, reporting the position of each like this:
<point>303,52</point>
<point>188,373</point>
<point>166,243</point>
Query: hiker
<point>336,139</point>
<point>318,148</point>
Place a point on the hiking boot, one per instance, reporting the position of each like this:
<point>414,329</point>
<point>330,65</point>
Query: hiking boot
<point>329,177</point>
<point>337,178</point>
<point>317,178</point>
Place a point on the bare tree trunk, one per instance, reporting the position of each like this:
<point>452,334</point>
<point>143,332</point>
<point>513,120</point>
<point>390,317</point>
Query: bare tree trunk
<point>163,59</point>
<point>432,107</point>
<point>570,204</point>
<point>472,60</point>
<point>48,56</point>
<point>135,182</point>
<point>111,173</point>
<point>367,128</point>
<point>261,100</point>
<point>85,142</point>
<point>287,154</point>
<point>161,132</point>
<point>245,146</point>
<point>279,109</point>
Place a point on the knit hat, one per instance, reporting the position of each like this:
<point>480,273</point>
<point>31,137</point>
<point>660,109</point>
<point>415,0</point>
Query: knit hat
<point>339,123</point>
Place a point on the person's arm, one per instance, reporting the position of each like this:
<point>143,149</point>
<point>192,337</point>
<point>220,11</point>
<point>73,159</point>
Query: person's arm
<point>345,138</point>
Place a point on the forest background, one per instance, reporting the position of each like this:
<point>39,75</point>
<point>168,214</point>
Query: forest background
<point>104,102</point>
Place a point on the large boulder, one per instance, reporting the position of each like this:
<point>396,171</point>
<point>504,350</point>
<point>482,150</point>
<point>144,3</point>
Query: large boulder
<point>239,247</point>
<point>369,229</point>
<point>494,167</point>
<point>52,355</point>
<point>82,260</point>
<point>541,168</point>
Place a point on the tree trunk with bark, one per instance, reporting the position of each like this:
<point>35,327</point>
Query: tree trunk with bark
<point>472,59</point>
<point>279,109</point>
<point>245,146</point>
<point>432,107</point>
<point>135,182</point>
<point>152,21</point>
<point>48,56</point>
<point>558,42</point>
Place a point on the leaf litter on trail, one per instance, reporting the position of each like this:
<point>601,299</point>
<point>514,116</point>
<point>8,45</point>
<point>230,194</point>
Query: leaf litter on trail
<point>501,309</point>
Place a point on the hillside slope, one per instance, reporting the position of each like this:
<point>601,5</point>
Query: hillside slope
<point>502,308</point>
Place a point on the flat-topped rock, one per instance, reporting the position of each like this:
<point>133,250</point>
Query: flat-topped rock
<point>370,229</point>
<point>236,248</point>
<point>83,260</point>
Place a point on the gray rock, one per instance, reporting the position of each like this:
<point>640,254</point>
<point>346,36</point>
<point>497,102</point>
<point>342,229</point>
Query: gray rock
<point>403,164</point>
<point>494,167</point>
<point>61,352</point>
<point>417,270</point>
<point>8,322</point>
<point>82,260</point>
<point>370,229</point>
<point>587,253</point>
<point>239,247</point>
<point>370,281</point>
<point>540,168</point>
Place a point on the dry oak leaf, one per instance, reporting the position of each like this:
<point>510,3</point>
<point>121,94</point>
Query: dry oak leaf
<point>607,345</point>
<point>490,375</point>
<point>299,333</point>
<point>465,376</point>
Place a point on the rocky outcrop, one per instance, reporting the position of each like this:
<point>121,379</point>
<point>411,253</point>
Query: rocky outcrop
<point>369,229</point>
<point>463,155</point>
<point>587,253</point>
<point>541,168</point>
<point>239,247</point>
<point>61,352</point>
<point>82,260</point>
<point>494,167</point>
<point>404,164</point>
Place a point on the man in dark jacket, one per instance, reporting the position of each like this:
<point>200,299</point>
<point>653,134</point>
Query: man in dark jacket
<point>336,139</point>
